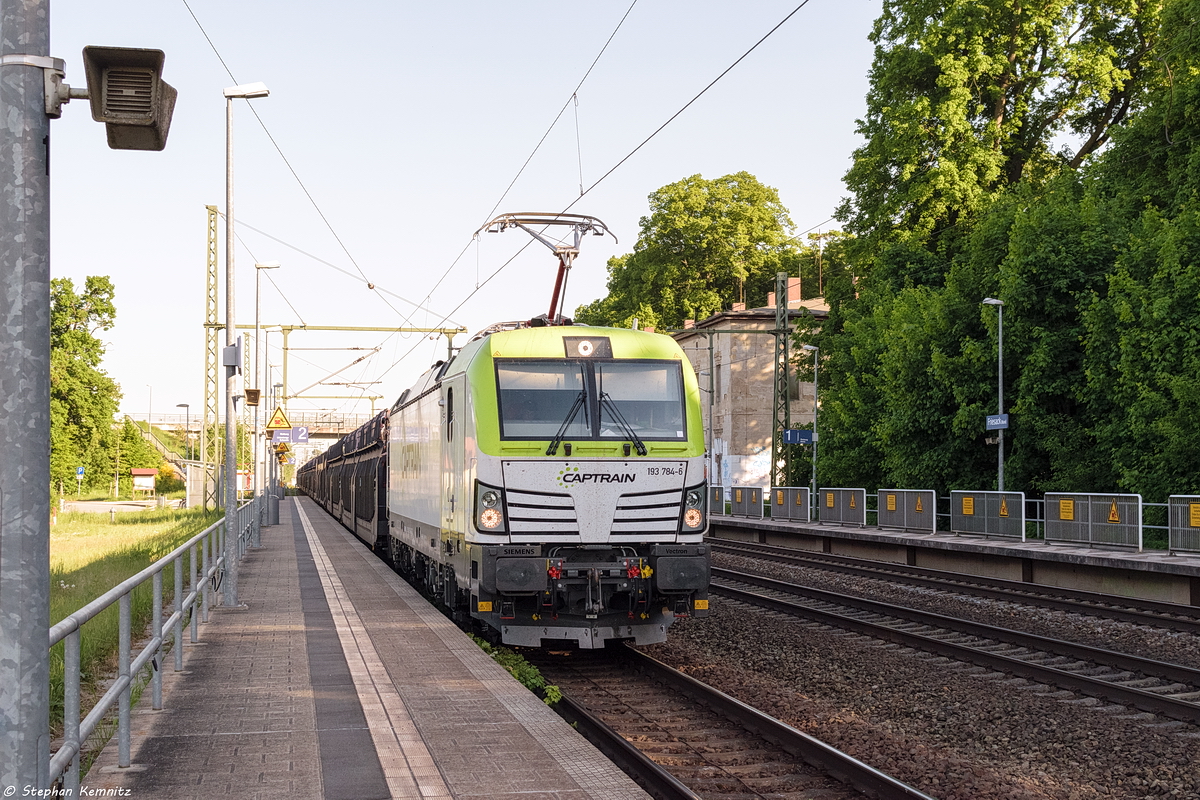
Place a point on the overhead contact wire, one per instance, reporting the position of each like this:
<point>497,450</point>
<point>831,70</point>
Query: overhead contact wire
<point>541,141</point>
<point>303,188</point>
<point>603,177</point>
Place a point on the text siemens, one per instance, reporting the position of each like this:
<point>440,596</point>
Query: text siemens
<point>598,477</point>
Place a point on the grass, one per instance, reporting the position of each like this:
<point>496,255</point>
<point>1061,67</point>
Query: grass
<point>525,673</point>
<point>88,556</point>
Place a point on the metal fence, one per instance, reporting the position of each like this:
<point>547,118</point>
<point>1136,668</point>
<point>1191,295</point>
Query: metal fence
<point>790,502</point>
<point>909,509</point>
<point>842,506</point>
<point>204,571</point>
<point>988,513</point>
<point>1183,514</point>
<point>1104,519</point>
<point>747,502</point>
<point>716,501</point>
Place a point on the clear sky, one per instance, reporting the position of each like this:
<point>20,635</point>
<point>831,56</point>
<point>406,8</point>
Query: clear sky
<point>406,122</point>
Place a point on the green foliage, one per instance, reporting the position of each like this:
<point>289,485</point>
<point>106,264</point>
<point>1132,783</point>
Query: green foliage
<point>966,97</point>
<point>959,196</point>
<point>83,399</point>
<point>525,673</point>
<point>705,245</point>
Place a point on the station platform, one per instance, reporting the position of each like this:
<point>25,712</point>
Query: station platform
<point>1150,574</point>
<point>336,680</point>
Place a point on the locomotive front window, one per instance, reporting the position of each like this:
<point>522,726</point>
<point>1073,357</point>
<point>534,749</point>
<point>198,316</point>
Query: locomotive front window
<point>647,395</point>
<point>591,399</point>
<point>537,396</point>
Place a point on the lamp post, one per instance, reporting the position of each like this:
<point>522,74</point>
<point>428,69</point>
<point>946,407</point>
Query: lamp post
<point>149,412</point>
<point>815,350</point>
<point>187,427</point>
<point>278,387</point>
<point>258,446</point>
<point>247,91</point>
<point>999,304</point>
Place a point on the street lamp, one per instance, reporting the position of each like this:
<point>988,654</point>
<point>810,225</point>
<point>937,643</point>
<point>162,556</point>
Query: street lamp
<point>258,449</point>
<point>149,411</point>
<point>187,427</point>
<point>247,91</point>
<point>999,304</point>
<point>815,350</point>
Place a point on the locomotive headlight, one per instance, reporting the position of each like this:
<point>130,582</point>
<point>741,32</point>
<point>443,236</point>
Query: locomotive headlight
<point>489,509</point>
<point>695,507</point>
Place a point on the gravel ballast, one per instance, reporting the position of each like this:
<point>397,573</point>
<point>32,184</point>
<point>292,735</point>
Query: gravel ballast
<point>955,731</point>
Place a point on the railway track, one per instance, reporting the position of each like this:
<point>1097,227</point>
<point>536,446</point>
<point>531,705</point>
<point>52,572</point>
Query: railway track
<point>684,740</point>
<point>1168,690</point>
<point>1171,616</point>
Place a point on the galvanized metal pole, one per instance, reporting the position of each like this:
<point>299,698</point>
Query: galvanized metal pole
<point>229,582</point>
<point>816,395</point>
<point>258,445</point>
<point>24,396</point>
<point>1000,396</point>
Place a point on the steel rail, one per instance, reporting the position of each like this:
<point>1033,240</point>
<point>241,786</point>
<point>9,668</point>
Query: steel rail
<point>1096,687</point>
<point>816,753</point>
<point>1138,611</point>
<point>632,761</point>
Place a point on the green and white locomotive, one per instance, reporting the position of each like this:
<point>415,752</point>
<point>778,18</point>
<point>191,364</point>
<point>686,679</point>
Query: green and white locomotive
<point>548,485</point>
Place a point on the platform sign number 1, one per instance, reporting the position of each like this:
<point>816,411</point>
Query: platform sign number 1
<point>78,481</point>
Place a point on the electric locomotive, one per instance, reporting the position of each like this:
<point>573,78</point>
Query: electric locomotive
<point>548,485</point>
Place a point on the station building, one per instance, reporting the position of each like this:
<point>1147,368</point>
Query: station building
<point>733,353</point>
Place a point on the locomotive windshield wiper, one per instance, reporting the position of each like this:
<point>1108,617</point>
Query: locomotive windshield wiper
<point>607,401</point>
<point>580,399</point>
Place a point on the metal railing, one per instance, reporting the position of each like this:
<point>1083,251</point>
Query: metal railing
<point>204,574</point>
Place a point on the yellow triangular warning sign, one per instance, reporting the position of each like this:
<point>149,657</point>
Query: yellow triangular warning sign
<point>279,421</point>
<point>1003,507</point>
<point>1113,514</point>
<point>920,507</point>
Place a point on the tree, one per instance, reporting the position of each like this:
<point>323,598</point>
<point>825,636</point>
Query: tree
<point>966,98</point>
<point>83,399</point>
<point>705,245</point>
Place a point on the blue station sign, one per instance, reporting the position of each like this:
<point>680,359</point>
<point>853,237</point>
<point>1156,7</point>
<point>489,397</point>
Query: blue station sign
<point>797,436</point>
<point>997,422</point>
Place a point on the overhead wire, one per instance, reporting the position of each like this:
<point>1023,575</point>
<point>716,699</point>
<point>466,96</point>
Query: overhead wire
<point>331,265</point>
<point>538,146</point>
<point>616,166</point>
<point>370,284</point>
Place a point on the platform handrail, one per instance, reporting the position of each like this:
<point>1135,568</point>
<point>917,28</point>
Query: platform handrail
<point>203,579</point>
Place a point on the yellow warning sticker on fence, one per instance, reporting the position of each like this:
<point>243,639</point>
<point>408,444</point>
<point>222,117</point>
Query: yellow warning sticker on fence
<point>737,496</point>
<point>778,498</point>
<point>968,506</point>
<point>1066,509</point>
<point>891,502</point>
<point>1003,507</point>
<point>852,502</point>
<point>829,499</point>
<point>1194,515</point>
<point>1113,514</point>
<point>920,507</point>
